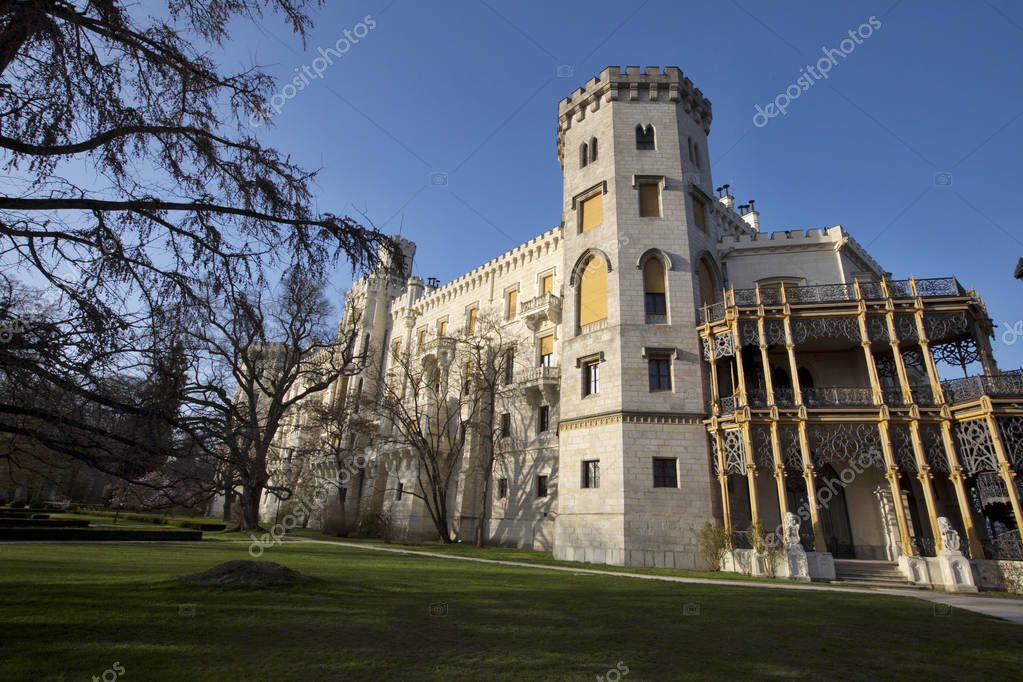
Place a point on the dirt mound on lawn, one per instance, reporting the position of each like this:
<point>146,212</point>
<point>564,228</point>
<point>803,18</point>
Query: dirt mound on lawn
<point>245,574</point>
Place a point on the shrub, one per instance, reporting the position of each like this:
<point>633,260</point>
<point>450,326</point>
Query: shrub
<point>769,548</point>
<point>37,504</point>
<point>714,542</point>
<point>18,504</point>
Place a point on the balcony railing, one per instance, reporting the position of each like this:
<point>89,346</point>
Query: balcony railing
<point>1006,385</point>
<point>539,303</point>
<point>840,292</point>
<point>727,405</point>
<point>838,396</point>
<point>540,374</point>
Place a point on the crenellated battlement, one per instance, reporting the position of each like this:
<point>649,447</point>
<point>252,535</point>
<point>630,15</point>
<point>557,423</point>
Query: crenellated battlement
<point>633,84</point>
<point>816,235</point>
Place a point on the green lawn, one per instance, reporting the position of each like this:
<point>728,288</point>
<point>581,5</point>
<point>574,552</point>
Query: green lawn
<point>72,611</point>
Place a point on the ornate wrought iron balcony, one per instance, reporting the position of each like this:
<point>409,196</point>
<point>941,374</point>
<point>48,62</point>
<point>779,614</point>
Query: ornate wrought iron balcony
<point>838,396</point>
<point>1005,385</point>
<point>840,292</point>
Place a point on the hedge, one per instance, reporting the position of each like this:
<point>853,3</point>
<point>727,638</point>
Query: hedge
<point>97,535</point>
<point>44,523</point>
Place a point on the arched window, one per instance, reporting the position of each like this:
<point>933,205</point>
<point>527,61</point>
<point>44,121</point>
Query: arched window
<point>593,292</point>
<point>805,378</point>
<point>593,149</point>
<point>709,289</point>
<point>644,137</point>
<point>653,288</point>
<point>584,156</point>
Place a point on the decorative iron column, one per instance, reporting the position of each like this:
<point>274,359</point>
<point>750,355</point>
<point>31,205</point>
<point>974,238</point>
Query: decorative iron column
<point>891,470</point>
<point>743,400</point>
<point>779,467</point>
<point>892,474</point>
<point>1004,466</point>
<point>959,484</point>
<point>893,342</point>
<point>924,476</point>
<point>819,545</point>
<point>726,512</point>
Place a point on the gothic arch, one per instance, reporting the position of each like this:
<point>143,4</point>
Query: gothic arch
<point>709,279</point>
<point>655,253</point>
<point>584,258</point>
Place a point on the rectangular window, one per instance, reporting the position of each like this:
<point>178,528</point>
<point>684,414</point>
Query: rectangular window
<point>547,350</point>
<point>591,377</point>
<point>541,486</point>
<point>442,328</point>
<point>506,425</point>
<point>511,304</point>
<point>502,488</point>
<point>699,213</point>
<point>649,200</point>
<point>467,377</point>
<point>591,212</point>
<point>543,419</point>
<point>509,366</point>
<point>660,373</point>
<point>422,337</point>
<point>397,349</point>
<point>656,304</point>
<point>399,490</point>
<point>470,324</point>
<point>591,473</point>
<point>546,285</point>
<point>665,472</point>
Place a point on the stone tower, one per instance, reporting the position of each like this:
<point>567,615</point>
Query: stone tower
<point>638,229</point>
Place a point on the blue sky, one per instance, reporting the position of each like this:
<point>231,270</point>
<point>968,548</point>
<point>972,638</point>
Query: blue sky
<point>913,142</point>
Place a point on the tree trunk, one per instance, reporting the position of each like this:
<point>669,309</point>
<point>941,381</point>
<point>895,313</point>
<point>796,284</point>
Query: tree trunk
<point>228,504</point>
<point>249,503</point>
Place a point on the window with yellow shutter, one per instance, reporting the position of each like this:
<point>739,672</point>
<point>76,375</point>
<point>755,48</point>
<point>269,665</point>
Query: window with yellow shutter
<point>470,325</point>
<point>699,213</point>
<point>442,328</point>
<point>593,292</point>
<point>547,350</point>
<point>591,212</point>
<point>511,304</point>
<point>649,200</point>
<point>422,337</point>
<point>547,285</point>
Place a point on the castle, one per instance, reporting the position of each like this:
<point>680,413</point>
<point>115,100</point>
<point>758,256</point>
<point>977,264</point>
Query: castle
<point>675,366</point>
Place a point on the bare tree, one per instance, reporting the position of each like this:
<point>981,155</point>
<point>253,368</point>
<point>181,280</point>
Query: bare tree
<point>488,358</point>
<point>179,200</point>
<point>425,417</point>
<point>256,358</point>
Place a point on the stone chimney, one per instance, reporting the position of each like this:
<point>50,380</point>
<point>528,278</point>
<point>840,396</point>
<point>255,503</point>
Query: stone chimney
<point>750,214</point>
<point>725,196</point>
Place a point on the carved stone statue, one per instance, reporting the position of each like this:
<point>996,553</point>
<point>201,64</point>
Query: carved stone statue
<point>791,529</point>
<point>949,536</point>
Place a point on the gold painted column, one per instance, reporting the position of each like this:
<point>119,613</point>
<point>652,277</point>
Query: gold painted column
<point>1005,469</point>
<point>892,474</point>
<point>751,474</point>
<point>924,476</point>
<point>819,545</point>
<point>779,470</point>
<point>714,398</point>
<point>959,484</point>
<point>726,513</point>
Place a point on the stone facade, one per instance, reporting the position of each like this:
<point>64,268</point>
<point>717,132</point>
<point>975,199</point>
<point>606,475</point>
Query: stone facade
<point>646,385</point>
